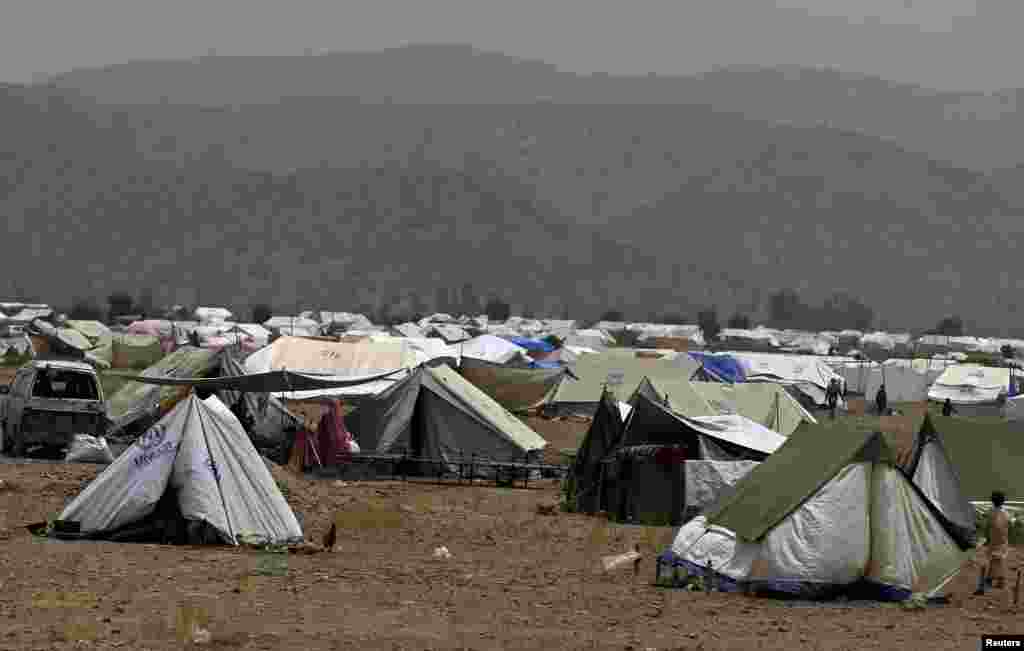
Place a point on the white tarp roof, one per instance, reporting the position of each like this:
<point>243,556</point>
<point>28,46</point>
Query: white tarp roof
<point>739,430</point>
<point>793,368</point>
<point>970,384</point>
<point>492,349</point>
<point>200,449</point>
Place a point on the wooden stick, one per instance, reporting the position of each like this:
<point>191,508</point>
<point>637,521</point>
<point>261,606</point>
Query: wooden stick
<point>1016,590</point>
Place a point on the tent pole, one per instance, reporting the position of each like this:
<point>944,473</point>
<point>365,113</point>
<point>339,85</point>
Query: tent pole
<point>216,474</point>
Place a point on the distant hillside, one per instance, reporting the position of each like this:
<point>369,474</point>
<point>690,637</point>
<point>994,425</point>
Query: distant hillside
<point>972,129</point>
<point>740,209</point>
<point>88,215</point>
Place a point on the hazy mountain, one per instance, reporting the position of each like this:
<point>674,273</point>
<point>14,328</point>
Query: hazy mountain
<point>87,214</point>
<point>745,208</point>
<point>971,129</point>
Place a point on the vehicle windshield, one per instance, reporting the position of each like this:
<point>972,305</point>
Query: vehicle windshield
<point>68,385</point>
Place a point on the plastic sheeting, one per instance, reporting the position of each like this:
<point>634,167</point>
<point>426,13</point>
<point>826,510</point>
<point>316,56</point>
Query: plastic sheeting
<point>723,368</point>
<point>200,450</point>
<point>740,431</point>
<point>532,345</point>
<point>968,384</point>
<point>707,480</point>
<point>88,449</point>
<point>492,349</point>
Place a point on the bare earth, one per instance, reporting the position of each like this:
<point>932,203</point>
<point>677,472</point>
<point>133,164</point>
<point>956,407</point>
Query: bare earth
<point>516,580</point>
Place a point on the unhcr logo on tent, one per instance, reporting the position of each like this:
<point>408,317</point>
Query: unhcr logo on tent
<point>152,445</point>
<point>152,437</point>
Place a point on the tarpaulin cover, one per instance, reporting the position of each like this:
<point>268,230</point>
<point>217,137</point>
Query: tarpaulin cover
<point>135,400</point>
<point>532,345</point>
<point>724,368</point>
<point>966,384</point>
<point>270,382</point>
<point>94,331</point>
<point>515,389</point>
<point>706,481</point>
<point>136,351</point>
<point>200,450</point>
<point>491,348</point>
<point>361,360</point>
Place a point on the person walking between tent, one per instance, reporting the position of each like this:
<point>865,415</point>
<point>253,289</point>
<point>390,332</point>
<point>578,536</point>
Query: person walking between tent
<point>881,400</point>
<point>947,408</point>
<point>998,543</point>
<point>832,396</point>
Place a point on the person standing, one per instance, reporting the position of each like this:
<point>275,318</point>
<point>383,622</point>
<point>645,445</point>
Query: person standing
<point>881,400</point>
<point>947,408</point>
<point>832,396</point>
<point>998,543</point>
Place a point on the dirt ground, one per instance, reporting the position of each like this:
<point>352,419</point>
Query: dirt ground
<point>515,580</point>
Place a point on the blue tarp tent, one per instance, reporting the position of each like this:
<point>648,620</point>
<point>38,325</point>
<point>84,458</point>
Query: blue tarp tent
<point>532,345</point>
<point>720,368</point>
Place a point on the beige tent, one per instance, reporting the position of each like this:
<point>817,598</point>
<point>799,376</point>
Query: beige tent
<point>364,358</point>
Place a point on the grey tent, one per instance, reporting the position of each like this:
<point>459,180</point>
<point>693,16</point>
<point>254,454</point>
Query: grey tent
<point>437,414</point>
<point>196,473</point>
<point>666,464</point>
<point>603,436</point>
<point>932,471</point>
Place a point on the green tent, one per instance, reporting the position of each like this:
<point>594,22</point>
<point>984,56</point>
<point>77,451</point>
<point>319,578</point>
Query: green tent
<point>831,511</point>
<point>762,402</point>
<point>137,405</point>
<point>987,454</point>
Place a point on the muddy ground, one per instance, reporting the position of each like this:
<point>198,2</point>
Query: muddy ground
<point>515,580</point>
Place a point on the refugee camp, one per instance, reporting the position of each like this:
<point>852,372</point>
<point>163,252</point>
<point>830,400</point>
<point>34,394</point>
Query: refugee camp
<point>497,454</point>
<point>470,325</point>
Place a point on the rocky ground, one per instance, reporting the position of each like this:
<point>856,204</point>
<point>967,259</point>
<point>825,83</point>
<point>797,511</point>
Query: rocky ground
<point>516,579</point>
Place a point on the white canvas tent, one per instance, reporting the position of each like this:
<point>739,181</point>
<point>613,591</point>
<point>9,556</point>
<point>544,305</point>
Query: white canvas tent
<point>826,515</point>
<point>200,451</point>
<point>971,385</point>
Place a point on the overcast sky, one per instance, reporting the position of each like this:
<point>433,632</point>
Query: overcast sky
<point>945,44</point>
